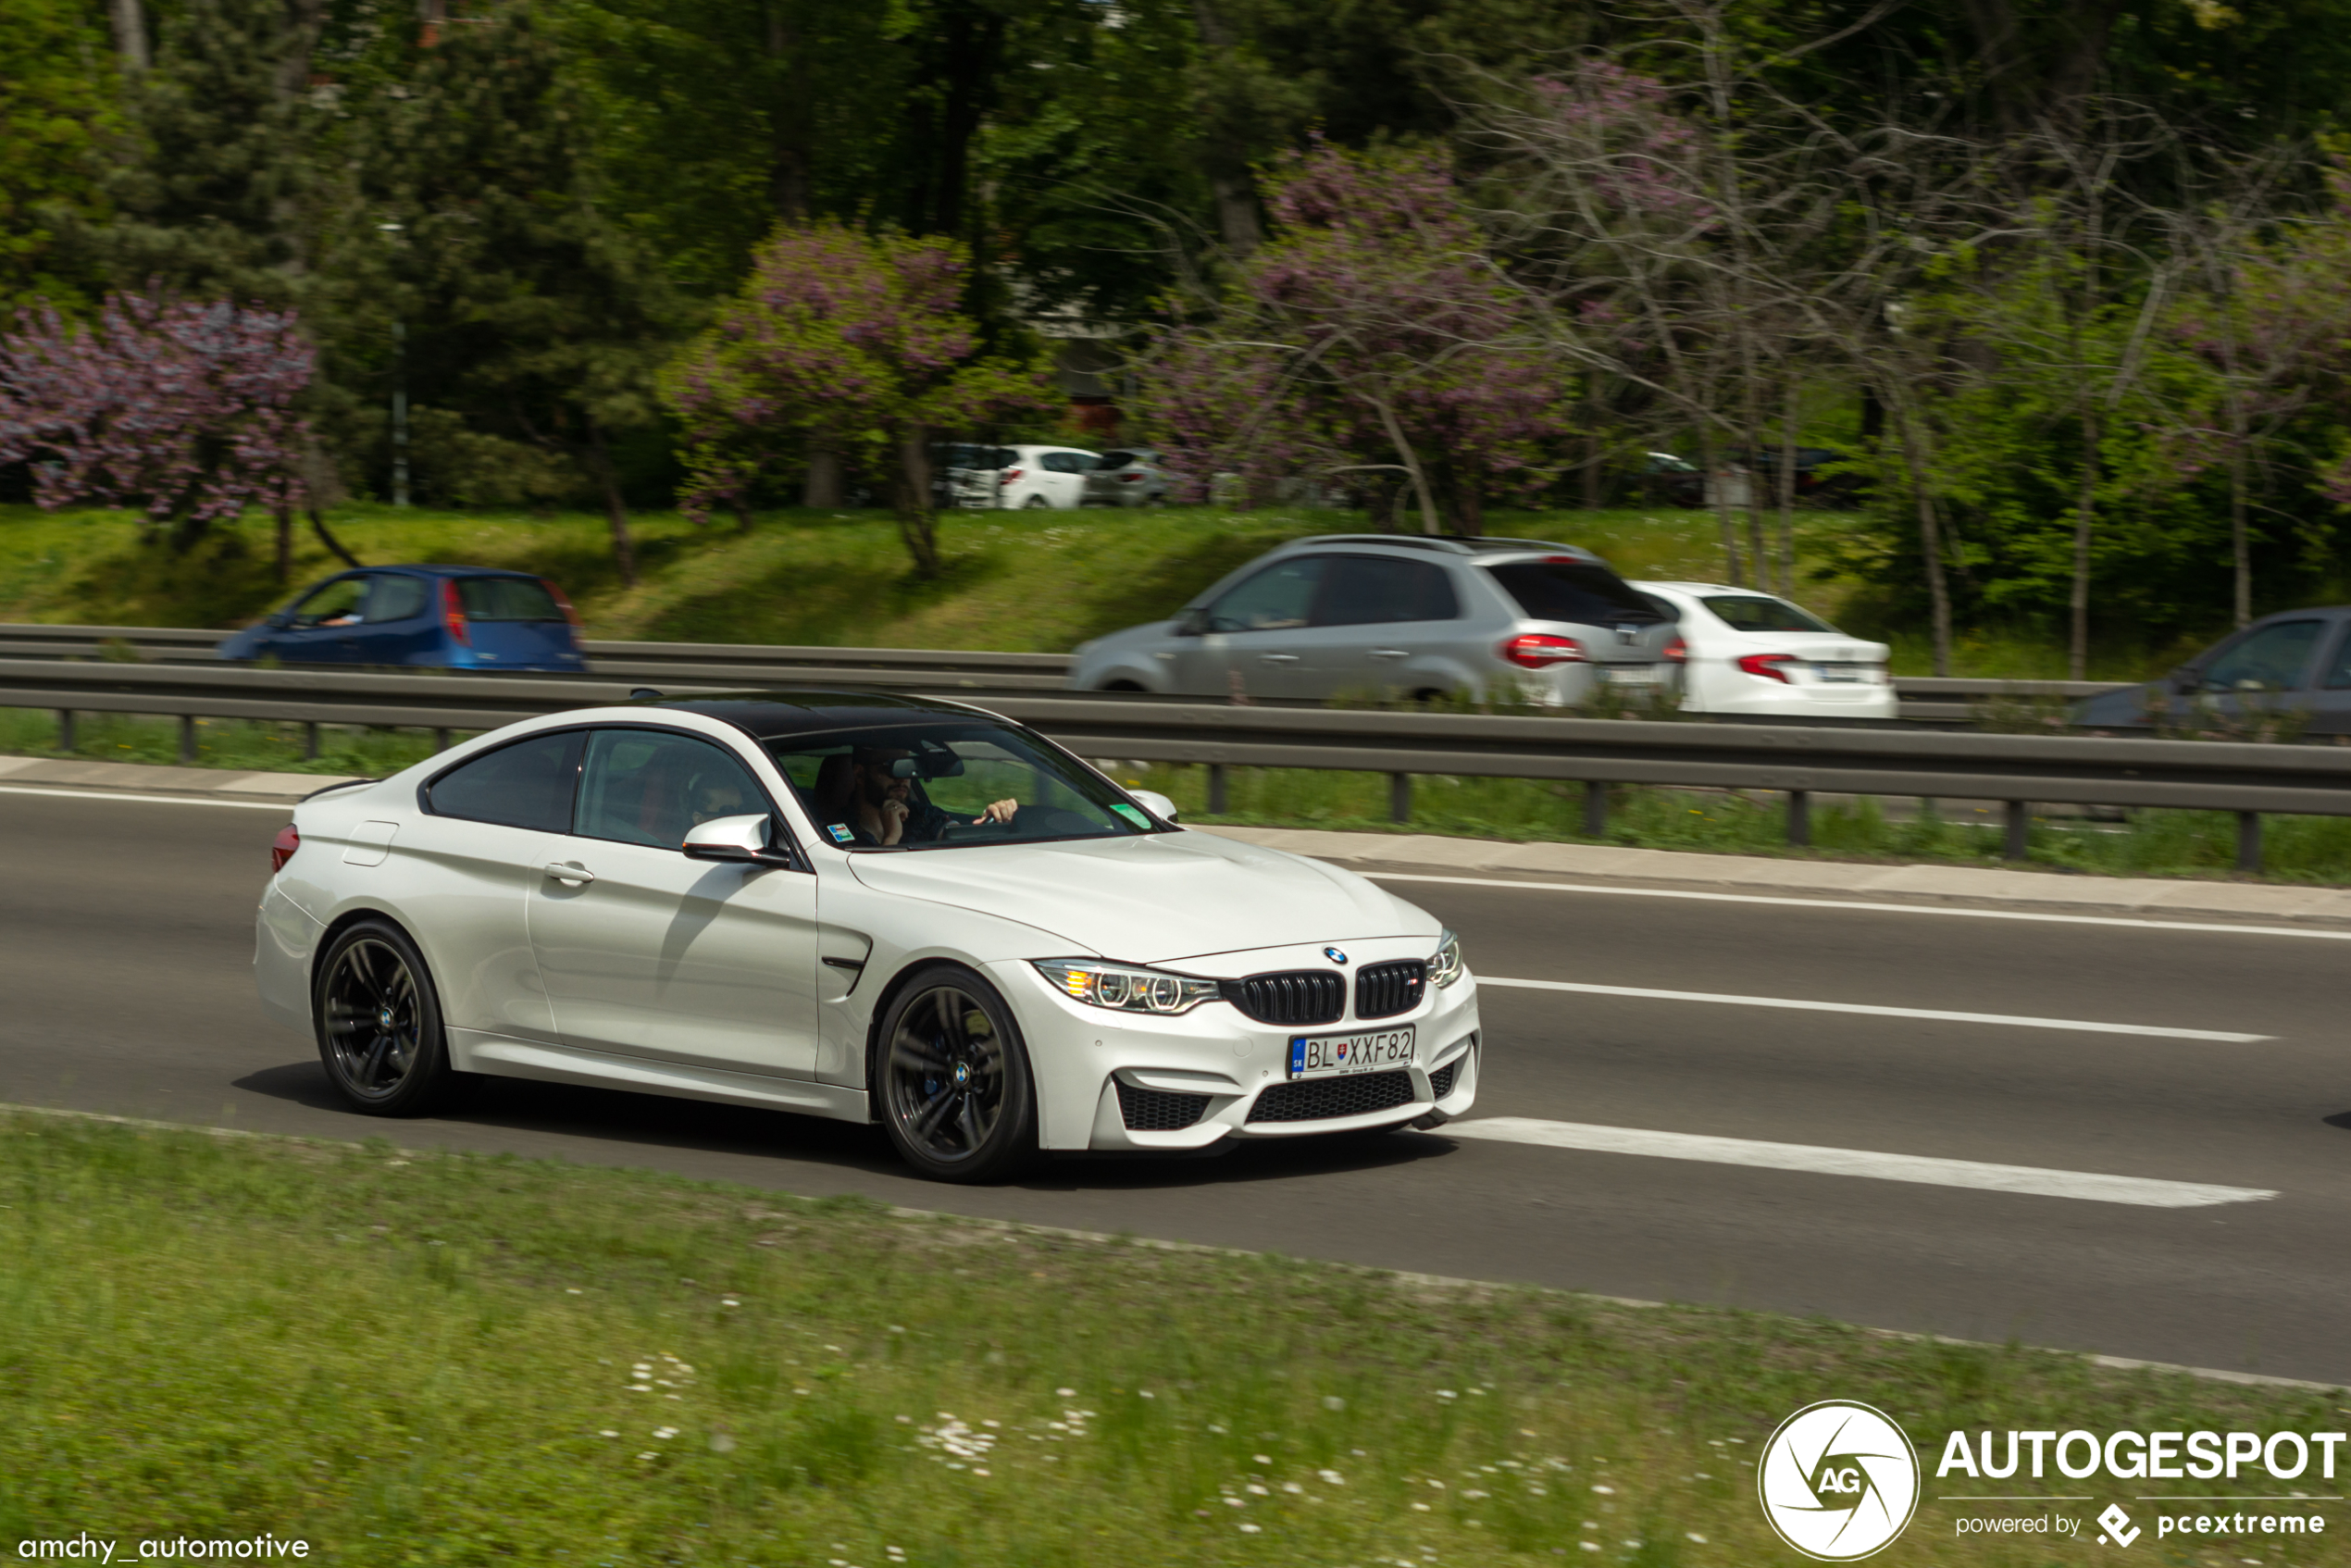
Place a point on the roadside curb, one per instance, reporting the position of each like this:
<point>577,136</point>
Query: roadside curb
<point>1955,886</point>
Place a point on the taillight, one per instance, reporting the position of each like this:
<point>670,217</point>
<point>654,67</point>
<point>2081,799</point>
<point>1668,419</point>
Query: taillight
<point>561,603</point>
<point>1539,650</point>
<point>1010,475</point>
<point>453,611</point>
<point>1767,666</point>
<point>1130,479</point>
<point>1677,652</point>
<point>282,848</point>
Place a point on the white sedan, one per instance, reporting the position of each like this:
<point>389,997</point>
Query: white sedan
<point>1039,477</point>
<point>854,905</point>
<point>1751,653</point>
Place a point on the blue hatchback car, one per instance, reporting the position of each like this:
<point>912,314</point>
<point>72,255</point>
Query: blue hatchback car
<point>451,617</point>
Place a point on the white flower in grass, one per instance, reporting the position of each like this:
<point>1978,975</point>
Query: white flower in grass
<point>1474,1493</point>
<point>1420,1508</point>
<point>1250,1529</point>
<point>1695,1536</point>
<point>1332,1402</point>
<point>649,1454</point>
<point>1292,1487</point>
<point>1064,1393</point>
<point>664,1433</point>
<point>608,1433</point>
<point>1256,1491</point>
<point>1446,1394</point>
<point>1605,1491</point>
<point>1260,1459</point>
<point>1332,1476</point>
<point>1590,1546</point>
<point>1231,1501</point>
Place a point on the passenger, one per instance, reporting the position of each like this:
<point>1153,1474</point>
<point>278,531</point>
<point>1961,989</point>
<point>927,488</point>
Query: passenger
<point>885,810</point>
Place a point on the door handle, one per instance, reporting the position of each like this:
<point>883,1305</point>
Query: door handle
<point>563,872</point>
<point>1391,652</point>
<point>1277,658</point>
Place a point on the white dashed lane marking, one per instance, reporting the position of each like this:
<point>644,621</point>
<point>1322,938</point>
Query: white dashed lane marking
<point>2091,1186</point>
<point>2011,1020</point>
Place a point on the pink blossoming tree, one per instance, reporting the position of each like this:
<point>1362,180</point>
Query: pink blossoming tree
<point>183,410</point>
<point>841,343</point>
<point>1372,334</point>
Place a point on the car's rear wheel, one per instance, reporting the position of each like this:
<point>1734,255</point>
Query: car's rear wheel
<point>378,1022</point>
<point>953,1079</point>
<point>1036,504</point>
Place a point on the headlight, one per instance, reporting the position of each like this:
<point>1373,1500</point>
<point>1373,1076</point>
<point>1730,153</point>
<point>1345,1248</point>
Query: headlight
<point>1446,967</point>
<point>1128,990</point>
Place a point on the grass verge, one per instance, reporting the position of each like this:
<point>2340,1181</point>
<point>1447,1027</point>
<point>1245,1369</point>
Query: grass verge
<point>1014,580</point>
<point>424,1359</point>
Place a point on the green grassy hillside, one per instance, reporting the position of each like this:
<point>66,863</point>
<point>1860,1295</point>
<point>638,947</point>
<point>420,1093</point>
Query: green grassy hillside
<point>1022,580</point>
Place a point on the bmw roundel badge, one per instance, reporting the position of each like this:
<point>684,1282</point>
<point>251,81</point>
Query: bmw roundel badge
<point>1334,955</point>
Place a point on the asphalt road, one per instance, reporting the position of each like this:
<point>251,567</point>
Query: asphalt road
<point>126,940</point>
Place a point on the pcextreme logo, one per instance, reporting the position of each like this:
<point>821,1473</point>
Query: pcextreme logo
<point>1839,1480</point>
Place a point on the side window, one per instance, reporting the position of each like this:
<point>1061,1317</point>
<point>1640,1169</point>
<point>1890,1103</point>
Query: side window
<point>396,599</point>
<point>336,603</point>
<point>1375,590</point>
<point>649,786</point>
<point>1064,463</point>
<point>2338,674</point>
<point>528,784</point>
<point>2271,659</point>
<point>1278,597</point>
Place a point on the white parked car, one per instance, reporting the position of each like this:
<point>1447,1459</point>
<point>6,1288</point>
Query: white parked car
<point>1751,653</point>
<point>852,906</point>
<point>1044,476</point>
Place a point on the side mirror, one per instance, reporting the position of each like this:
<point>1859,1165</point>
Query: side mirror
<point>2185,679</point>
<point>1152,800</point>
<point>740,841</point>
<point>1192,622</point>
<point>280,621</point>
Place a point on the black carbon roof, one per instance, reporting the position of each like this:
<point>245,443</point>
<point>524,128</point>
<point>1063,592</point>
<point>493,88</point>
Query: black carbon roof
<point>766,715</point>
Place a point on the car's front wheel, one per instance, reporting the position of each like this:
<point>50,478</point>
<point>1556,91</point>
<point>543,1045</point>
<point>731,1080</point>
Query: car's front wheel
<point>953,1078</point>
<point>378,1022</point>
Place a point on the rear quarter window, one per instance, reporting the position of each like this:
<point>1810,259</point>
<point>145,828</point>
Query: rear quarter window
<point>1573,591</point>
<point>529,784</point>
<point>507,599</point>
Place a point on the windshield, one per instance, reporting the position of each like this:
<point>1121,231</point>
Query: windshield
<point>948,785</point>
<point>1753,612</point>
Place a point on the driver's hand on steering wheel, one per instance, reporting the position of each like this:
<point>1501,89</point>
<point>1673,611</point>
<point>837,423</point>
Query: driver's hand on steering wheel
<point>998,811</point>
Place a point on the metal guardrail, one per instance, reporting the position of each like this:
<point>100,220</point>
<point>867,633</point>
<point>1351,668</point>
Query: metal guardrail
<point>1931,700</point>
<point>1799,761</point>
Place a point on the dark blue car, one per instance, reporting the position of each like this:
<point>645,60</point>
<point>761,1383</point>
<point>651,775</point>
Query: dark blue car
<point>453,617</point>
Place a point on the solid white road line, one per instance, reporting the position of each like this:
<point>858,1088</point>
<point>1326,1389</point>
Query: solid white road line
<point>2012,1019</point>
<point>154,800</point>
<point>1856,903</point>
<point>2143,1190</point>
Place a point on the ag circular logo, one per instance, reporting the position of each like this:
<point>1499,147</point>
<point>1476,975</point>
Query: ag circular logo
<point>1838,1480</point>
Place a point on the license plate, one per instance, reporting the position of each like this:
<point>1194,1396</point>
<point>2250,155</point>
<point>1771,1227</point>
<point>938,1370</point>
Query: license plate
<point>1837,672</point>
<point>1331,1056</point>
<point>1631,674</point>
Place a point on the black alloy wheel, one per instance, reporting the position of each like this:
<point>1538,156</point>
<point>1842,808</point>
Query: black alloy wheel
<point>378,1022</point>
<point>955,1089</point>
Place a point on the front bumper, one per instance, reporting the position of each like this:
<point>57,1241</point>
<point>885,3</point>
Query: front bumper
<point>1119,1081</point>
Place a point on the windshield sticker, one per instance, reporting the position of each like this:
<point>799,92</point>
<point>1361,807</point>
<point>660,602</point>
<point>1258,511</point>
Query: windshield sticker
<point>1131,814</point>
<point>842,835</point>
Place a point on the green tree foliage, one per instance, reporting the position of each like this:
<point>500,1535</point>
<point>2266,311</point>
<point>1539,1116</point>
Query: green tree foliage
<point>59,117</point>
<point>484,268</point>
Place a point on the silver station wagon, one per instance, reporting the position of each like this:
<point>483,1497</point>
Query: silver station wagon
<point>1398,615</point>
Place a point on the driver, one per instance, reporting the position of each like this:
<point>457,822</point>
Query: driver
<point>885,810</point>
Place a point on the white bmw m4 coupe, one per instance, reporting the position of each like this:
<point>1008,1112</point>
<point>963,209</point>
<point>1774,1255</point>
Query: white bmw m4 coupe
<point>856,905</point>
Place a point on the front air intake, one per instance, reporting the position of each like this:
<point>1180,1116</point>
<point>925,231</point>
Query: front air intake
<point>1324,1099</point>
<point>1156,1109</point>
<point>1300,996</point>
